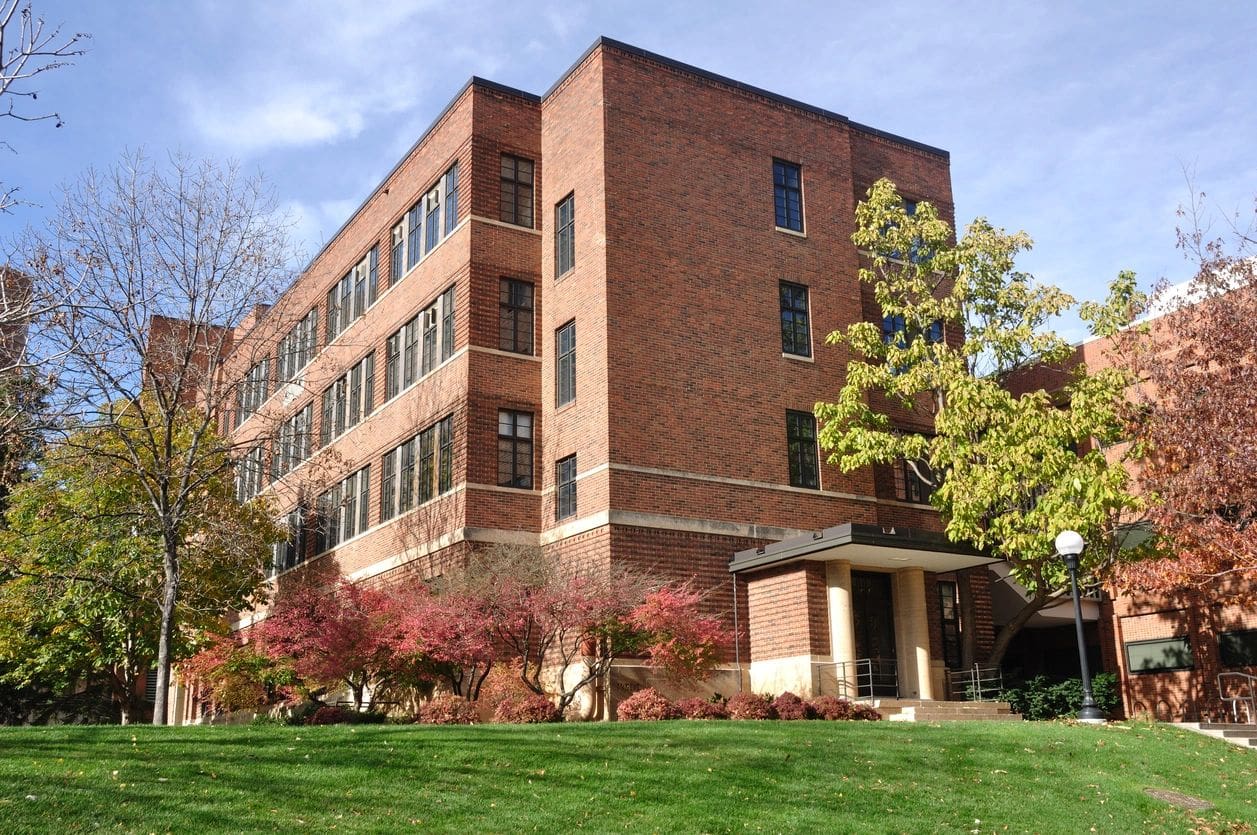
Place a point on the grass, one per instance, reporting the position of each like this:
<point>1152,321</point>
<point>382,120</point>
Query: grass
<point>669,776</point>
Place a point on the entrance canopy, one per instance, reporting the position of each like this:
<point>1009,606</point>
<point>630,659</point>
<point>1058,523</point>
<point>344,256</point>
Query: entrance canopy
<point>871,546</point>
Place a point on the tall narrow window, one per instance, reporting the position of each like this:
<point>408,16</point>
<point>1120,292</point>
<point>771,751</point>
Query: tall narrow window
<point>406,476</point>
<point>398,252</point>
<point>565,492</point>
<point>451,198</point>
<point>447,324</point>
<point>801,443</point>
<point>429,340</point>
<point>517,193</point>
<point>796,335</point>
<point>427,464</point>
<point>514,449</point>
<point>565,235</point>
<point>565,364</point>
<point>414,235</point>
<point>445,454</point>
<point>788,195</point>
<point>410,359</point>
<point>949,619</point>
<point>388,486</point>
<point>373,275</point>
<point>515,316</point>
<point>432,215</point>
<point>393,366</point>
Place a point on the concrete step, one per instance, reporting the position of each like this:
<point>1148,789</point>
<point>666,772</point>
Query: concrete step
<point>1243,735</point>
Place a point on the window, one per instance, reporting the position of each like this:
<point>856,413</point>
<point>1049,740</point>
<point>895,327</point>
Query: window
<point>292,442</point>
<point>796,336</point>
<point>418,470</point>
<point>910,487</point>
<point>348,400</point>
<point>515,316</point>
<point>1238,649</point>
<point>420,345</point>
<point>291,552</point>
<point>949,618</point>
<point>515,449</point>
<point>1159,656</point>
<point>801,443</point>
<point>565,495</point>
<point>420,230</point>
<point>397,254</point>
<point>343,511</point>
<point>450,181</point>
<point>253,390</point>
<point>516,205</point>
<point>896,333</point>
<point>249,475</point>
<point>565,364</point>
<point>564,235</point>
<point>296,349</point>
<point>350,297</point>
<point>788,195</point>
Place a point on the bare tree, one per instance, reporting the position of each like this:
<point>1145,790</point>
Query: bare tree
<point>28,48</point>
<point>161,267</point>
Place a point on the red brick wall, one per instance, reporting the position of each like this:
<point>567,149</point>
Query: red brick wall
<point>788,611</point>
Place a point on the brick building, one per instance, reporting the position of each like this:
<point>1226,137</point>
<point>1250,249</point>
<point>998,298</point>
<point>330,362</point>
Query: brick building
<point>1168,649</point>
<point>593,321</point>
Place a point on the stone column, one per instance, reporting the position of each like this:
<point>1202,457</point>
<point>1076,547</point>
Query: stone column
<point>913,633</point>
<point>841,622</point>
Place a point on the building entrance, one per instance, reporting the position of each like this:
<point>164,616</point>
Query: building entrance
<point>873,617</point>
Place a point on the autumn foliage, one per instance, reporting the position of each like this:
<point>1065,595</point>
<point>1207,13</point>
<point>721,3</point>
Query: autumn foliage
<point>1198,364</point>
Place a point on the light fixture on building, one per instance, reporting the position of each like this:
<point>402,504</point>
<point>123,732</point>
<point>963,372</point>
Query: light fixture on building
<point>1070,545</point>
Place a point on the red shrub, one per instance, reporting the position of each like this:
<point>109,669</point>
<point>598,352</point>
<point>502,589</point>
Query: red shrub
<point>751,706</point>
<point>447,710</point>
<point>702,709</point>
<point>866,712</point>
<point>647,705</point>
<point>330,715</point>
<point>828,707</point>
<point>526,710</point>
<point>790,706</point>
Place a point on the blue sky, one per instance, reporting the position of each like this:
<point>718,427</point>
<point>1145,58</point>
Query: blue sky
<point>1073,121</point>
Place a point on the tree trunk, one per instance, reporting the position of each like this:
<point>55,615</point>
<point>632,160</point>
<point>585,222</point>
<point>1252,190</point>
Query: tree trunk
<point>170,596</point>
<point>1010,629</point>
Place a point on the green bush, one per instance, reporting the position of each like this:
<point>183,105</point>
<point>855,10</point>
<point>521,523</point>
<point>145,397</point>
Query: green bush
<point>1046,698</point>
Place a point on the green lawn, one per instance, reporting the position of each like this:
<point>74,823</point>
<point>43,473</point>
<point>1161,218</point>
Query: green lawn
<point>670,776</point>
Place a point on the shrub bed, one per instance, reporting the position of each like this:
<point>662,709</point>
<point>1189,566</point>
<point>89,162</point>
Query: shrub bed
<point>531,709</point>
<point>447,710</point>
<point>751,706</point>
<point>647,705</point>
<point>703,709</point>
<point>790,706</point>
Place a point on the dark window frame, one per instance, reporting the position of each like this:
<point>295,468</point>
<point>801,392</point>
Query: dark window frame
<point>565,487</point>
<point>788,195</point>
<point>515,315</point>
<point>565,364</point>
<point>565,235</point>
<point>515,449</point>
<point>517,192</point>
<point>1183,640</point>
<point>796,324</point>
<point>802,452</point>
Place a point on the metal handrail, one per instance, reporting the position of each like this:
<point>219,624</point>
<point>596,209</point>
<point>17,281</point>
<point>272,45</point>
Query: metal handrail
<point>1241,681</point>
<point>869,678</point>
<point>976,684</point>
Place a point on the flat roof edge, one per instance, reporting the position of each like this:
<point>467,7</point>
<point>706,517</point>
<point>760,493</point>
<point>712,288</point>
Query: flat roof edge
<point>799,547</point>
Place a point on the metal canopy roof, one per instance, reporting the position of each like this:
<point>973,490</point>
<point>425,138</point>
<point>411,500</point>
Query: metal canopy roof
<point>871,546</point>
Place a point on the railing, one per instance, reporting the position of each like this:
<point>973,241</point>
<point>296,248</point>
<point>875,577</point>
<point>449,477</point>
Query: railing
<point>865,678</point>
<point>1239,689</point>
<point>976,684</point>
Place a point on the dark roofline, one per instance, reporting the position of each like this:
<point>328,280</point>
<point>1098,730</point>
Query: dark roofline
<point>707,75</point>
<point>798,547</point>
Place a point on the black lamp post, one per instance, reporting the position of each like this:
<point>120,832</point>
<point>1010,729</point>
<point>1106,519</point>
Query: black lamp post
<point>1070,545</point>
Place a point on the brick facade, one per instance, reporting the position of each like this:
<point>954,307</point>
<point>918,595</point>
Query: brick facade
<point>678,423</point>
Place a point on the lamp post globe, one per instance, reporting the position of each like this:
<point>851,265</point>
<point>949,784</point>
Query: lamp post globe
<point>1070,545</point>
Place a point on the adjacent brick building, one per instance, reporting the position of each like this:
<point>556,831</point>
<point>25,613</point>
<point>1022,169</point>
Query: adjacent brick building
<point>593,321</point>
